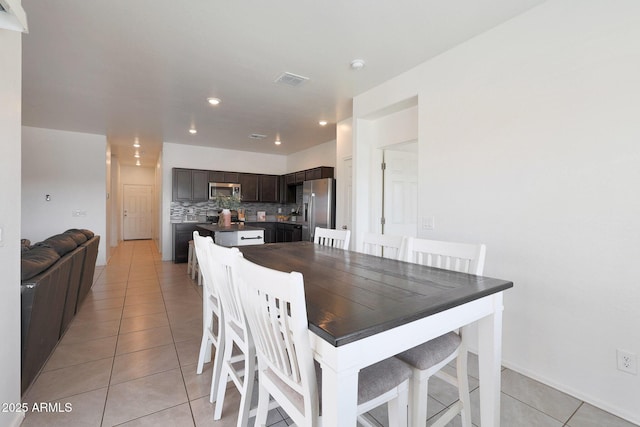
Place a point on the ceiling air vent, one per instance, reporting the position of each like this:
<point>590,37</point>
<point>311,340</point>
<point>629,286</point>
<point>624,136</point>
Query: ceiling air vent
<point>291,79</point>
<point>257,136</point>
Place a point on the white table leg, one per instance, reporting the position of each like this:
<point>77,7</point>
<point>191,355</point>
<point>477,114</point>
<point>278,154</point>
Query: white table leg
<point>490,356</point>
<point>339,397</point>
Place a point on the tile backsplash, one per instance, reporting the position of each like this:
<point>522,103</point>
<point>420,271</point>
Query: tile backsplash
<point>203,209</point>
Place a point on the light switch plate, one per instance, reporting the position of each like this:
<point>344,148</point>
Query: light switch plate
<point>428,223</point>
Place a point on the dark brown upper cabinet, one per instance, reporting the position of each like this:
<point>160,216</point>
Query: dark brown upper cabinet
<point>190,185</point>
<point>249,187</point>
<point>269,188</point>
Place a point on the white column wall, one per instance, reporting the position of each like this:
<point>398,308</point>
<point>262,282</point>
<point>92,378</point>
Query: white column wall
<point>344,151</point>
<point>10,169</point>
<point>528,142</point>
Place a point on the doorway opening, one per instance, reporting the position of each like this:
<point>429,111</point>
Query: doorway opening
<point>400,189</point>
<point>137,212</point>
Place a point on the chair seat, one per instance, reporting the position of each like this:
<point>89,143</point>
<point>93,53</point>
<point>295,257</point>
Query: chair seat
<point>373,381</point>
<point>426,355</point>
<point>380,378</point>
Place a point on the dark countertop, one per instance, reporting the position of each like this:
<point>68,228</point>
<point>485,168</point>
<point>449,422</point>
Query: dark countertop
<point>276,222</point>
<point>215,228</point>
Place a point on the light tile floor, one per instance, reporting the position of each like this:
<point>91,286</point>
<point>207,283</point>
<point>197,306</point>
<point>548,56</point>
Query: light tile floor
<point>129,359</point>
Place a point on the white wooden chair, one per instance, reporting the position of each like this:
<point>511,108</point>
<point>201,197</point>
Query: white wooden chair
<point>274,303</point>
<point>429,358</point>
<point>223,261</point>
<point>384,245</point>
<point>212,324</point>
<point>193,267</point>
<point>331,237</point>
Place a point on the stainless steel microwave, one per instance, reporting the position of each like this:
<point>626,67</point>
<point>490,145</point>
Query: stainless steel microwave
<point>223,189</point>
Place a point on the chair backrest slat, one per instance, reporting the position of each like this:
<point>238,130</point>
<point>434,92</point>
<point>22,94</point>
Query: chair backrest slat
<point>221,261</point>
<point>330,237</point>
<point>200,244</point>
<point>275,308</point>
<point>462,257</point>
<point>384,245</point>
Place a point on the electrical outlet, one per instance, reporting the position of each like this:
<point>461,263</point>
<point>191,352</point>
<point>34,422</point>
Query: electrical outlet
<point>627,362</point>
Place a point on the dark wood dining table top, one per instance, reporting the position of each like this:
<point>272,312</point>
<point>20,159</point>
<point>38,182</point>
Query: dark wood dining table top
<point>351,295</point>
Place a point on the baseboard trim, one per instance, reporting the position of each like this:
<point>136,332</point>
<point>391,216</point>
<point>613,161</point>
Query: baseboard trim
<point>17,419</point>
<point>598,403</point>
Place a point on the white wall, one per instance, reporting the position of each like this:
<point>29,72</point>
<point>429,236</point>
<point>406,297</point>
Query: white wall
<point>319,155</point>
<point>137,175</point>
<point>528,142</point>
<point>71,168</point>
<point>10,135</point>
<point>109,220</point>
<point>158,202</point>
<point>114,209</point>
<point>344,151</point>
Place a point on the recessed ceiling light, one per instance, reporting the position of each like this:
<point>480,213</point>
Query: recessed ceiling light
<point>322,122</point>
<point>136,143</point>
<point>137,155</point>
<point>192,131</point>
<point>357,64</point>
<point>277,142</point>
<point>138,163</point>
<point>214,101</point>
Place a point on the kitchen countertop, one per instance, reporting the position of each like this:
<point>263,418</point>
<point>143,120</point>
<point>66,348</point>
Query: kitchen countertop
<point>233,227</point>
<point>247,221</point>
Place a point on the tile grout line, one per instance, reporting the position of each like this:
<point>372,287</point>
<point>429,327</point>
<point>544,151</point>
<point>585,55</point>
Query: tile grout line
<point>566,424</point>
<point>115,349</point>
<point>184,382</point>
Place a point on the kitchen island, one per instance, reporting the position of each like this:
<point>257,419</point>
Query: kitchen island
<point>233,235</point>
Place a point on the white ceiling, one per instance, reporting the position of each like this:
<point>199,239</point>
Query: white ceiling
<point>145,68</point>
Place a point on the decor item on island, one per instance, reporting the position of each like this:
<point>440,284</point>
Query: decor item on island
<point>226,204</point>
<point>225,218</point>
<point>261,216</point>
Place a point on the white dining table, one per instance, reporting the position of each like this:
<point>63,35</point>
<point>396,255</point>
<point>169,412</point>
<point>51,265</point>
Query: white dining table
<point>363,309</point>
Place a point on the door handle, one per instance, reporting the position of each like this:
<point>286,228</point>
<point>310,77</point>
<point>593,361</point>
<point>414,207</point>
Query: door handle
<point>344,227</point>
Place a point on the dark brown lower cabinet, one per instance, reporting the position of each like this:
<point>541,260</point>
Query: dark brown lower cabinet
<point>288,232</point>
<point>182,233</point>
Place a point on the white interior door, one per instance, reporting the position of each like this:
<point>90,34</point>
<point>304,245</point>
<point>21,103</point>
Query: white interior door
<point>137,212</point>
<point>400,190</point>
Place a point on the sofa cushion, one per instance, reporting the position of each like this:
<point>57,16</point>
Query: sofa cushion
<point>77,235</point>
<point>36,260</point>
<point>87,233</point>
<point>25,245</point>
<point>61,243</point>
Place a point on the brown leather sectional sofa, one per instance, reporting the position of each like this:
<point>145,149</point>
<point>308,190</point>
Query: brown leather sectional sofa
<point>57,274</point>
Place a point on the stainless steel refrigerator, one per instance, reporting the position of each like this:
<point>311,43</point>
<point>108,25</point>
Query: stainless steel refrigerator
<point>318,206</point>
